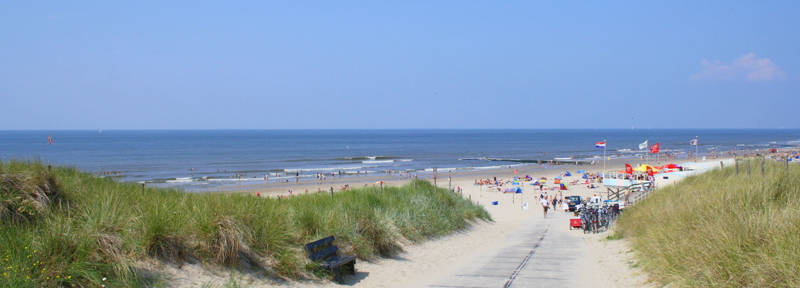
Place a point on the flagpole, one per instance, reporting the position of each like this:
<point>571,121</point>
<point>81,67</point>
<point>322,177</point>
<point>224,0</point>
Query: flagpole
<point>695,148</point>
<point>604,157</point>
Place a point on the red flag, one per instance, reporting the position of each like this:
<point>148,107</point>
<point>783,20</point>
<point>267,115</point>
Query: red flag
<point>654,148</point>
<point>49,139</point>
<point>649,171</point>
<point>515,171</point>
<point>628,169</point>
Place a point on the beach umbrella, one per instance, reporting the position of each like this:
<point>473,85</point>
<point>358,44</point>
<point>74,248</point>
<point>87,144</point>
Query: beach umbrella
<point>580,171</point>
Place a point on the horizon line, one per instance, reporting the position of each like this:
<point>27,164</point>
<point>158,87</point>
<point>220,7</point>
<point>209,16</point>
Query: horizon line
<point>376,129</point>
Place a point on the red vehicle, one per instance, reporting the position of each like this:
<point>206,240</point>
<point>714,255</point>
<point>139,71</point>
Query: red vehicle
<point>575,223</point>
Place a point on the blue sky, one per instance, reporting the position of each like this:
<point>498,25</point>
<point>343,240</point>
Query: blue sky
<point>411,64</point>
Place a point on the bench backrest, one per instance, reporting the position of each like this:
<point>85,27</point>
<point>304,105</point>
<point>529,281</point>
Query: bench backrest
<point>321,249</point>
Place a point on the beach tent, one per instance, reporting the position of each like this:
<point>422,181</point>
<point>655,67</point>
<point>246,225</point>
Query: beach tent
<point>567,174</point>
<point>643,168</point>
<point>585,176</point>
<point>518,191</point>
<point>580,171</point>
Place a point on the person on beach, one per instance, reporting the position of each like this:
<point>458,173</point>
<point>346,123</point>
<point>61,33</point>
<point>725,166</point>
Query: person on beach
<point>565,205</point>
<point>545,205</point>
<point>595,200</point>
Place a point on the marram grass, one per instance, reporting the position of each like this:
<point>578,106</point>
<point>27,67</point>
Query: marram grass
<point>62,227</point>
<point>719,229</point>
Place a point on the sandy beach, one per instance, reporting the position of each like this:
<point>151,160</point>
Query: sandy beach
<point>444,262</point>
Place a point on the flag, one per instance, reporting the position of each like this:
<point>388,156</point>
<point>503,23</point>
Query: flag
<point>601,144</point>
<point>654,148</point>
<point>628,169</point>
<point>49,139</point>
<point>643,145</point>
<point>693,142</point>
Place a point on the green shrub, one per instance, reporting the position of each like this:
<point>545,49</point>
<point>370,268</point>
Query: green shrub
<point>721,229</point>
<point>85,229</point>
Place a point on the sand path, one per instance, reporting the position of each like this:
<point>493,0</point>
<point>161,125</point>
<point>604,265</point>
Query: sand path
<point>520,247</point>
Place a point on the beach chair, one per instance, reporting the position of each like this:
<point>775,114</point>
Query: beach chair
<point>326,254</point>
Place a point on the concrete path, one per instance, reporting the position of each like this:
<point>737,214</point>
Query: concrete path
<point>544,253</point>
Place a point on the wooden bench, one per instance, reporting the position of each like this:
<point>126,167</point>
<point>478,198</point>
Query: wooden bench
<point>326,254</point>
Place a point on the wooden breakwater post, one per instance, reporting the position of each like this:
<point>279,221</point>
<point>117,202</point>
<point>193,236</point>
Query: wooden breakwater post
<point>450,180</point>
<point>748,167</point>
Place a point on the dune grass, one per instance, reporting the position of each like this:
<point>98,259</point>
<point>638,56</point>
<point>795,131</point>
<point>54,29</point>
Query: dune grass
<point>62,227</point>
<point>721,229</point>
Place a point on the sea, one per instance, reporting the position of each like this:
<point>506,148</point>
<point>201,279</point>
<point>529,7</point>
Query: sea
<point>202,159</point>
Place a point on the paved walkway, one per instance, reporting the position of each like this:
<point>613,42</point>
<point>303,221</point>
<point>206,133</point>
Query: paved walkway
<point>545,253</point>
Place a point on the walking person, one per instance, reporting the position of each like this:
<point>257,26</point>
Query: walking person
<point>545,205</point>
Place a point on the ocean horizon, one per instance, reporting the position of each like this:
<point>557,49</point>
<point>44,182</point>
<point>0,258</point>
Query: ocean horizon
<point>211,158</point>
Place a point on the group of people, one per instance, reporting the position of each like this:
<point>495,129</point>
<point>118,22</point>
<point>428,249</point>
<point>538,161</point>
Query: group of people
<point>549,202</point>
<point>492,181</point>
<point>552,202</point>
